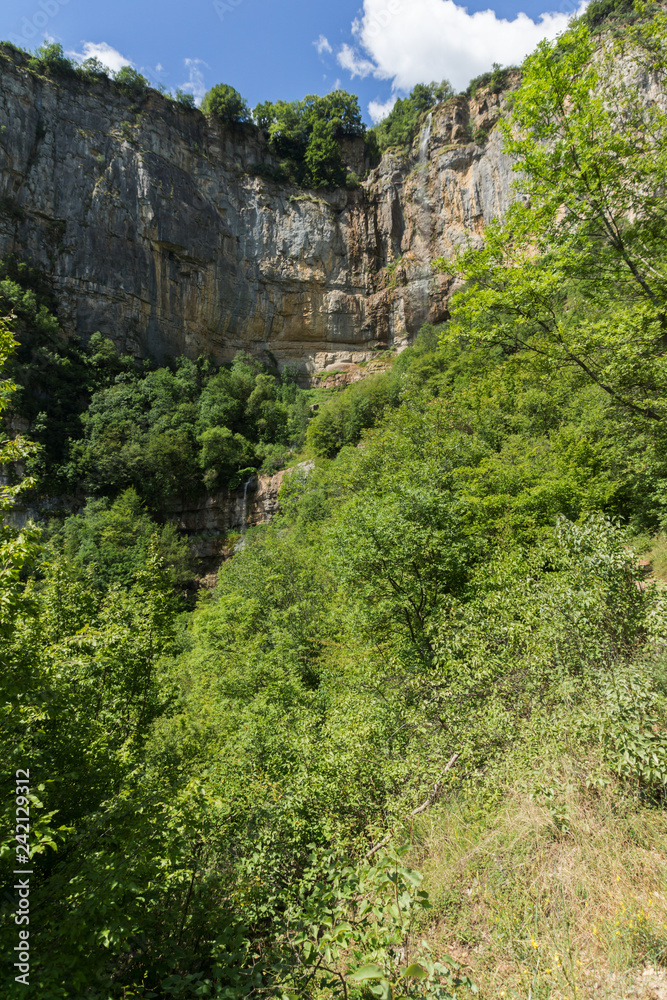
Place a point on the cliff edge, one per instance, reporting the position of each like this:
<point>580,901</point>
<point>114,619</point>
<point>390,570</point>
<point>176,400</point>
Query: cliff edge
<point>159,227</point>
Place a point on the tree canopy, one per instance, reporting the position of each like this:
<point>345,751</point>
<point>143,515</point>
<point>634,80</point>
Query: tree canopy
<point>587,240</point>
<point>226,104</point>
<point>307,134</point>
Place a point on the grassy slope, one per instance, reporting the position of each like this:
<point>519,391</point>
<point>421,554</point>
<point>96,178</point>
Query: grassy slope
<point>547,873</point>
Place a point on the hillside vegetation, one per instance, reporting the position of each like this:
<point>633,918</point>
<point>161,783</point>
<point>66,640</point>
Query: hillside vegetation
<point>415,743</point>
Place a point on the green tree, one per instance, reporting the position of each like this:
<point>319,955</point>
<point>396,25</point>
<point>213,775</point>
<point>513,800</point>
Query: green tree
<point>132,82</point>
<point>109,542</point>
<point>588,242</point>
<point>400,126</point>
<point>308,134</point>
<point>185,99</point>
<point>222,454</point>
<point>227,104</point>
<point>592,150</point>
<point>94,68</point>
<point>405,553</point>
<point>323,157</point>
<point>50,58</point>
<point>340,109</point>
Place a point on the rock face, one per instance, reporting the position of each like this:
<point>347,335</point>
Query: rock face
<point>209,519</point>
<point>159,227</point>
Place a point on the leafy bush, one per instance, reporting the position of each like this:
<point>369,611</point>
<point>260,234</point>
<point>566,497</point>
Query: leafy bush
<point>227,104</point>
<point>307,135</point>
<point>602,13</point>
<point>94,69</point>
<point>50,58</point>
<point>109,543</point>
<point>184,98</point>
<point>341,420</point>
<point>496,80</point>
<point>132,82</point>
<point>225,786</point>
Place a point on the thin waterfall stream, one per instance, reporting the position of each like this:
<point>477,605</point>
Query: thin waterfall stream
<point>424,140</point>
<point>240,545</point>
<point>244,507</point>
<point>421,188</point>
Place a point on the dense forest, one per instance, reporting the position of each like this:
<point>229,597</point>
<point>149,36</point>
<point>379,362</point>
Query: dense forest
<point>415,742</point>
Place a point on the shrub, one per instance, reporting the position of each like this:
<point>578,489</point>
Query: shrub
<point>601,12</point>
<point>94,68</point>
<point>227,104</point>
<point>323,158</point>
<point>132,82</point>
<point>51,59</point>
<point>307,134</point>
<point>182,97</point>
<point>496,80</point>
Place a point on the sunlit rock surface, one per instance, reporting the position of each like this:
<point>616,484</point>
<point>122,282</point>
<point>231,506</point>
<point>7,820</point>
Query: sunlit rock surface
<point>157,230</point>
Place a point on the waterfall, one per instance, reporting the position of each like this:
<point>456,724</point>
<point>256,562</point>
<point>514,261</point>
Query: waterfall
<point>240,545</point>
<point>244,508</point>
<point>425,136</point>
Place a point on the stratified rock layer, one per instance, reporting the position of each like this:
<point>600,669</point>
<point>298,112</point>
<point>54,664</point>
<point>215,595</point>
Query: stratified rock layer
<point>157,229</point>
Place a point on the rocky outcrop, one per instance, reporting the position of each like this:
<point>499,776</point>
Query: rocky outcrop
<point>212,521</point>
<point>255,502</point>
<point>209,520</point>
<point>160,228</point>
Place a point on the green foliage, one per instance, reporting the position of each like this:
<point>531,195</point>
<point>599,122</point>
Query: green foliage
<point>185,99</point>
<point>132,82</point>
<point>400,126</point>
<point>16,548</point>
<point>334,930</point>
<point>307,135</point>
<point>602,14</point>
<point>178,431</point>
<point>322,157</point>
<point>341,420</point>
<point>51,60</point>
<point>109,424</point>
<point>536,285</point>
<point>109,542</point>
<point>496,80</point>
<point>227,104</point>
<point>93,68</point>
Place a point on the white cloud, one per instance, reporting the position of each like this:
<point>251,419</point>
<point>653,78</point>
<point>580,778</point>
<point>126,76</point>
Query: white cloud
<point>355,64</point>
<point>415,41</point>
<point>379,110</point>
<point>322,45</point>
<point>160,68</point>
<point>107,55</point>
<point>195,85</point>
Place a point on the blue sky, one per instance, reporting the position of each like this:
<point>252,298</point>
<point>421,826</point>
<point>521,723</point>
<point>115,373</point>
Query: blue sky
<point>270,49</point>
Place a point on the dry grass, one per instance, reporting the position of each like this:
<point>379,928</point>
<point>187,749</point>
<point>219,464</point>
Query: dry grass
<point>655,558</point>
<point>559,895</point>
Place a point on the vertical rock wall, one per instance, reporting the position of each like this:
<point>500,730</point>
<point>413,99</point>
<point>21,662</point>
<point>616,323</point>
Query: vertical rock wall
<point>159,227</point>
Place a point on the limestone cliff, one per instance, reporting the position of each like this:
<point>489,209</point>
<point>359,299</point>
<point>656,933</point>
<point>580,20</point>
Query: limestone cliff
<point>157,227</point>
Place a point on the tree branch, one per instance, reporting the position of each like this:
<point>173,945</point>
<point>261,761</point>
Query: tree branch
<point>433,797</point>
